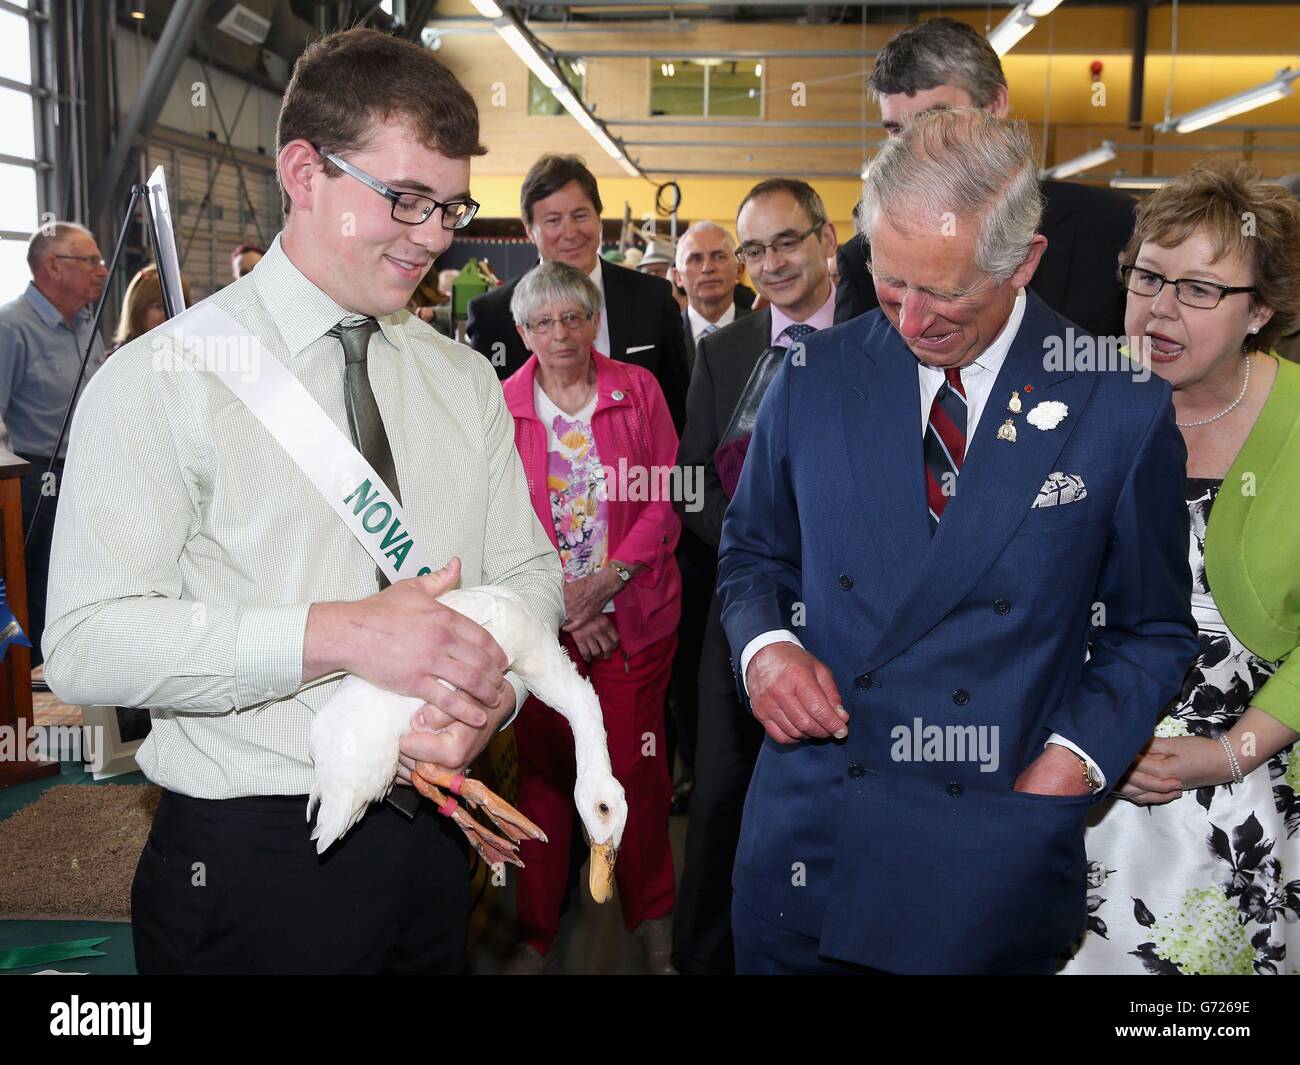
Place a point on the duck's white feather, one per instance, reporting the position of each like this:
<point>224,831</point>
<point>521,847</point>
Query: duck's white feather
<point>355,734</point>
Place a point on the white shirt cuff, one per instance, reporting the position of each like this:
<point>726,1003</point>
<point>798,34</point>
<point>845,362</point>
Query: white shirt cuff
<point>521,694</point>
<point>758,643</point>
<point>1061,741</point>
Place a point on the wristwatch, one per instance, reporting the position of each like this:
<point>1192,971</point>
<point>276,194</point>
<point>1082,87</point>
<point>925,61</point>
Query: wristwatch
<point>1090,775</point>
<point>624,574</point>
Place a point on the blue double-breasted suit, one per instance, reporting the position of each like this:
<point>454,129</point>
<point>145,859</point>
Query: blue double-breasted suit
<point>1020,621</point>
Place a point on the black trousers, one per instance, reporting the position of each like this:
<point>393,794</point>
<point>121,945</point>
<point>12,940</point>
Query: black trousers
<point>698,563</point>
<point>727,747</point>
<point>38,547</point>
<point>235,886</point>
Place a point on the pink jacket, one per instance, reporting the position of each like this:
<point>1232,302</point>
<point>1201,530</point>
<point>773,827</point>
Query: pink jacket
<point>634,433</point>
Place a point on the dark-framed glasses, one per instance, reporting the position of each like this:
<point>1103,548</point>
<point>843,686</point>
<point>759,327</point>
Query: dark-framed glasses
<point>410,208</point>
<point>571,320</point>
<point>1189,291</point>
<point>752,252</point>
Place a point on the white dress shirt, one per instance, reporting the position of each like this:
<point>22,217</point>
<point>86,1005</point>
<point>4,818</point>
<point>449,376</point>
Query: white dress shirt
<point>700,324</point>
<point>977,379</point>
<point>189,547</point>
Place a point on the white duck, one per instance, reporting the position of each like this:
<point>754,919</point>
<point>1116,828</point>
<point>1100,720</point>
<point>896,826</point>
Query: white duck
<point>355,736</point>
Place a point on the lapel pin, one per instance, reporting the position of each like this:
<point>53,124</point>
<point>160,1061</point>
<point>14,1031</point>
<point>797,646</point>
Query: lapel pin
<point>1007,431</point>
<point>1014,406</point>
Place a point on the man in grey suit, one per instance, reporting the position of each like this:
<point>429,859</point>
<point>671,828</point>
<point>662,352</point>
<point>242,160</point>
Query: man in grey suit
<point>785,241</point>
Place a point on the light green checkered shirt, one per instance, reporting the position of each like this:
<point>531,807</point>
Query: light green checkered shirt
<point>189,546</point>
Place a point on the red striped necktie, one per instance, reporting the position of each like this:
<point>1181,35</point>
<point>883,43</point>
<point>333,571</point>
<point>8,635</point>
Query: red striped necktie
<point>945,443</point>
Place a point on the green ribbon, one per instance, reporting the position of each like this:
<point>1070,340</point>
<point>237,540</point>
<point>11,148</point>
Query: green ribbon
<point>21,957</point>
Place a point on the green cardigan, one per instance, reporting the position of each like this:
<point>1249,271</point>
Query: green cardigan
<point>1252,545</point>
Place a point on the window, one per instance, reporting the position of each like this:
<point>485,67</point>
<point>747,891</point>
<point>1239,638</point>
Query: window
<point>700,88</point>
<point>541,101</point>
<point>19,213</point>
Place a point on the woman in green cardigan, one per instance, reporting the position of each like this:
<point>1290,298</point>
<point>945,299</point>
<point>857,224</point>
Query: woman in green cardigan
<point>1199,870</point>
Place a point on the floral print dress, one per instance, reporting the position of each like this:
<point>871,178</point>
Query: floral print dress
<point>1210,882</point>
<point>575,486</point>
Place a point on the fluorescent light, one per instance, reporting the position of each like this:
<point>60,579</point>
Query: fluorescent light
<point>1086,161</point>
<point>1039,8</point>
<point>1007,33</point>
<point>524,49</point>
<point>1138,182</point>
<point>486,8</point>
<point>1208,115</point>
<point>758,70</point>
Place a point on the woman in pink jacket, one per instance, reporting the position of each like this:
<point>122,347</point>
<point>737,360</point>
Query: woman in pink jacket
<point>598,446</point>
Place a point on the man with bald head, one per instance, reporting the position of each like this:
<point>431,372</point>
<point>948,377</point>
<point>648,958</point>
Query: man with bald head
<point>955,585</point>
<point>43,335</point>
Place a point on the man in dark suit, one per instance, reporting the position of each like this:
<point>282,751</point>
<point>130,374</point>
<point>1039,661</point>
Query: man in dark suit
<point>932,530</point>
<point>707,270</point>
<point>944,63</point>
<point>785,242</point>
<point>639,321</point>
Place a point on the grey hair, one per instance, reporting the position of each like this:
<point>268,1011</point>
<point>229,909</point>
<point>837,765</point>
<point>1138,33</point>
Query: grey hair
<point>553,282</point>
<point>704,226</point>
<point>939,51</point>
<point>49,239</point>
<point>955,165</point>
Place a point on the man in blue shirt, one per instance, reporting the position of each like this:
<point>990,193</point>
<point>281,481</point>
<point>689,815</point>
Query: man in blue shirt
<point>43,335</point>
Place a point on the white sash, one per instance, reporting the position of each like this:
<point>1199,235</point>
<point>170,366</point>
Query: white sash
<point>208,339</point>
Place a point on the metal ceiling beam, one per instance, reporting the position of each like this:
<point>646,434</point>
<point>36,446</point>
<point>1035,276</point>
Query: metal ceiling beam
<point>725,54</point>
<point>854,175</point>
<point>173,46</point>
<point>740,123</point>
<point>854,145</point>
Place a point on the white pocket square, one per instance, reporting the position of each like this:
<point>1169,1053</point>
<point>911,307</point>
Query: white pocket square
<point>639,347</point>
<point>1061,488</point>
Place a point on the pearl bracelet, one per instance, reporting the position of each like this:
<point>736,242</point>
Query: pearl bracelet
<point>1233,764</point>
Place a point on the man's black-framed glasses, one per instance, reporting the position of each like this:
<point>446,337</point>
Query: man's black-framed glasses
<point>752,252</point>
<point>1189,291</point>
<point>410,208</point>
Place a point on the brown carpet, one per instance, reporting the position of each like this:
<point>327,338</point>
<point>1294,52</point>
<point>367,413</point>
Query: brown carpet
<point>72,854</point>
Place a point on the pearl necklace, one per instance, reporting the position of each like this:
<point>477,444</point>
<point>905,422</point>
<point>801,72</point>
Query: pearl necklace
<point>1226,410</point>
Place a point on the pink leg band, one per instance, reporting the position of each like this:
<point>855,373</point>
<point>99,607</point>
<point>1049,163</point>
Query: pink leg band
<point>457,782</point>
<point>448,808</point>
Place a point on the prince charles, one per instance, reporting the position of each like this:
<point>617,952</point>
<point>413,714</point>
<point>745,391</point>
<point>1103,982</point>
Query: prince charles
<point>955,584</point>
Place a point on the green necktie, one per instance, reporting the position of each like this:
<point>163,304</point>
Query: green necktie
<point>364,420</point>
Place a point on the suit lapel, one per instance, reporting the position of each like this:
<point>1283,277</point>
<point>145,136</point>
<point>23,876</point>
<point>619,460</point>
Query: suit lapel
<point>997,486</point>
<point>618,309</point>
<point>880,401</point>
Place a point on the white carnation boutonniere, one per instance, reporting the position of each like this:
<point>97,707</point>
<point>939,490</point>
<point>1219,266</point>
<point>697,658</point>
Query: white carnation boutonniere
<point>1047,415</point>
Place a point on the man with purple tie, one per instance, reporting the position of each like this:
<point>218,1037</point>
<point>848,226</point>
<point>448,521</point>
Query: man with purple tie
<point>893,537</point>
<point>785,242</point>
